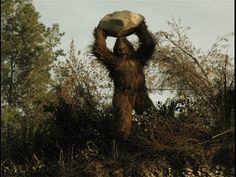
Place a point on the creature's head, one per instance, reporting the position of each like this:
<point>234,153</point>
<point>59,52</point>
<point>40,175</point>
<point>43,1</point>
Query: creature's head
<point>123,48</point>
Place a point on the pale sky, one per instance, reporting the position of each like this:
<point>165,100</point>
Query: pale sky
<point>77,18</point>
<point>208,19</point>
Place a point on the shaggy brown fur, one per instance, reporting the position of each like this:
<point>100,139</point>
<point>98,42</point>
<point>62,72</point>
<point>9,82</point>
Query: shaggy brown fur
<point>127,73</point>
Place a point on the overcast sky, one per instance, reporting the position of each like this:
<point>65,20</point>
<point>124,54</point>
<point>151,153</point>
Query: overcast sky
<point>207,19</point>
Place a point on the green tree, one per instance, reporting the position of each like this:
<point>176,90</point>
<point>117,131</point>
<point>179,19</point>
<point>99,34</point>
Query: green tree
<point>27,53</point>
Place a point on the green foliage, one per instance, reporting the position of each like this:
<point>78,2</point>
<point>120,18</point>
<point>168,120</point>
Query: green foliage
<point>27,53</point>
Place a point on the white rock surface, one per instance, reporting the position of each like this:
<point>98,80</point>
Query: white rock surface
<point>120,23</point>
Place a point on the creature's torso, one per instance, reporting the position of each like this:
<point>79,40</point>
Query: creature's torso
<point>129,75</point>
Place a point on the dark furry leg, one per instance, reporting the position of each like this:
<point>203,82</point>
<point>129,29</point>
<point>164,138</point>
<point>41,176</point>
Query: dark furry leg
<point>144,104</point>
<point>123,113</point>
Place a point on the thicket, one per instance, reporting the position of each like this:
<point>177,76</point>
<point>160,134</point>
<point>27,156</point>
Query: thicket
<point>61,124</point>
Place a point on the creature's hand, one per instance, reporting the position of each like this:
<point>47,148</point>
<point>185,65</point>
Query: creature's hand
<point>142,28</point>
<point>100,32</point>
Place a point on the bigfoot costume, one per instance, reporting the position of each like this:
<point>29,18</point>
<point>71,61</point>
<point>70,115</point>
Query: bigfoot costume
<point>125,66</point>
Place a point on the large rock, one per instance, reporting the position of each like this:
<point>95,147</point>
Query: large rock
<point>120,23</point>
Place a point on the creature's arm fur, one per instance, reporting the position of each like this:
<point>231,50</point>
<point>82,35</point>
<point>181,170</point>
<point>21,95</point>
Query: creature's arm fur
<point>99,49</point>
<point>147,44</point>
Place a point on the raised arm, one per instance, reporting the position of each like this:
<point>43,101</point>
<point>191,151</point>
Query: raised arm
<point>146,44</point>
<point>100,50</point>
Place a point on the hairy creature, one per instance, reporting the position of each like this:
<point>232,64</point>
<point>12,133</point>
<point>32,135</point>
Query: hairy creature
<point>125,66</point>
